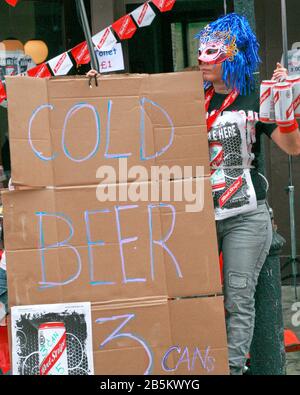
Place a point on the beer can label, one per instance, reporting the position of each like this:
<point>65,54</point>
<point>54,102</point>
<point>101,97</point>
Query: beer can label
<point>295,82</point>
<point>267,106</point>
<point>52,343</point>
<point>284,106</point>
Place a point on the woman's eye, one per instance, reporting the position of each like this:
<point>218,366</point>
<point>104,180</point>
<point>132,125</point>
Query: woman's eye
<point>211,51</point>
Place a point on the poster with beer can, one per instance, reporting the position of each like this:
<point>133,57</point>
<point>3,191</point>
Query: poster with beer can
<point>52,339</point>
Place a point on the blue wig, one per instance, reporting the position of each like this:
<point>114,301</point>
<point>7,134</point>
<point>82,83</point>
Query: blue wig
<point>237,71</point>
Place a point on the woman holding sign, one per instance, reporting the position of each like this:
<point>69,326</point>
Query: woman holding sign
<point>228,58</point>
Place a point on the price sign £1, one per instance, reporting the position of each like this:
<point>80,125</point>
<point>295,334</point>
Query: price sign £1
<point>111,60</point>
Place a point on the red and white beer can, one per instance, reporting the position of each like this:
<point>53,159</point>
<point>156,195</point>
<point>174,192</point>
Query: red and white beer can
<point>267,108</point>
<point>294,80</point>
<point>284,108</point>
<point>52,340</point>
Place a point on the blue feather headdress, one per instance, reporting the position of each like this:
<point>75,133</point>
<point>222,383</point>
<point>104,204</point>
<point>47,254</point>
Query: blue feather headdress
<point>242,47</point>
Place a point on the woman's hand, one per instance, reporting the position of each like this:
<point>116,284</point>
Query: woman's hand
<point>280,73</point>
<point>92,73</point>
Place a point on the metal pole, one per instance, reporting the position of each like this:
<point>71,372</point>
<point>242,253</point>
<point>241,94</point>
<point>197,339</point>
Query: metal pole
<point>87,33</point>
<point>290,188</point>
<point>225,7</point>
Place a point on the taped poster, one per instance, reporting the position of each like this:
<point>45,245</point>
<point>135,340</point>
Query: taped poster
<point>143,15</point>
<point>52,339</point>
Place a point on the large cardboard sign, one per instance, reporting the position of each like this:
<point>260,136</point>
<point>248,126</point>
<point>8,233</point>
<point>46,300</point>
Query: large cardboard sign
<point>64,245</point>
<point>62,131</point>
<point>89,222</point>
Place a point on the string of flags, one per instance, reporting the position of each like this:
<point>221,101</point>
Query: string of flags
<point>12,2</point>
<point>123,29</point>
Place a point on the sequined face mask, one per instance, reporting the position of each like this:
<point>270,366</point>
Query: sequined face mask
<point>216,47</point>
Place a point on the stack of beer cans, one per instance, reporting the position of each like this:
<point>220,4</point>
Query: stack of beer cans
<point>280,101</point>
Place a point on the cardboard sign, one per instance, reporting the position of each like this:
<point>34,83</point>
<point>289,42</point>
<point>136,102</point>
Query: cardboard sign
<point>66,130</point>
<point>78,248</point>
<point>112,60</point>
<point>174,337</point>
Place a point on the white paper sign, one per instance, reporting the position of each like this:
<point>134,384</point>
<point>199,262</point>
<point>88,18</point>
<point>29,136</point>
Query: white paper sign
<point>52,339</point>
<point>61,64</point>
<point>143,15</point>
<point>112,60</point>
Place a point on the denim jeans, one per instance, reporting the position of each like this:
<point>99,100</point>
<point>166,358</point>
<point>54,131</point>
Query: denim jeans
<point>3,288</point>
<point>245,241</point>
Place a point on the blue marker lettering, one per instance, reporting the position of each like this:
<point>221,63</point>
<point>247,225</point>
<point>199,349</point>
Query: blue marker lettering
<point>107,155</point>
<point>125,241</point>
<point>70,113</point>
<point>36,152</point>
<point>142,130</point>
<point>162,242</point>
<point>43,249</point>
<point>93,243</point>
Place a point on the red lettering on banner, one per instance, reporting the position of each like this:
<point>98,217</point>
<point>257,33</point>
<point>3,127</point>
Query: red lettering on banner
<point>143,13</point>
<point>265,96</point>
<point>81,53</point>
<point>40,71</point>
<point>103,38</point>
<point>60,62</point>
<point>2,92</point>
<point>53,356</point>
<point>164,5</point>
<point>124,27</point>
<point>230,192</point>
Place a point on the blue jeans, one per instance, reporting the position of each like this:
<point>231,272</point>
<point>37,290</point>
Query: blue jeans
<point>3,288</point>
<point>245,241</point>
